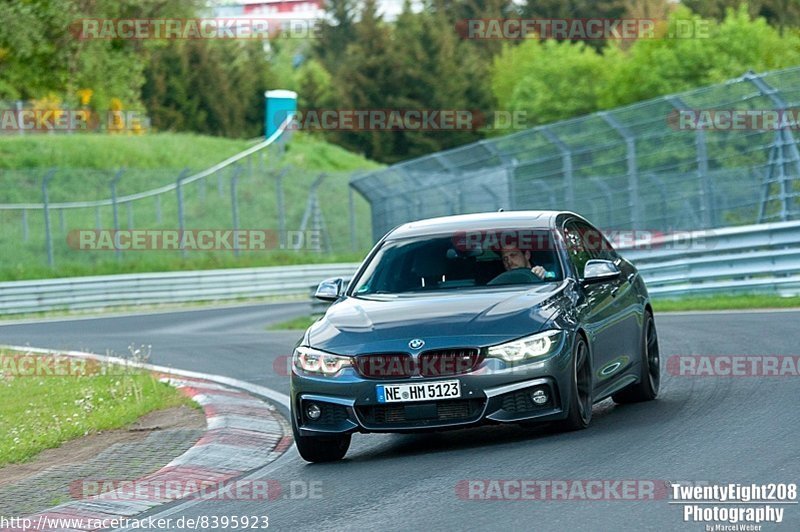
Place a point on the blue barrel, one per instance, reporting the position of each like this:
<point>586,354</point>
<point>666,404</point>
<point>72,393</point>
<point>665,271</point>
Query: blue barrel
<point>280,105</point>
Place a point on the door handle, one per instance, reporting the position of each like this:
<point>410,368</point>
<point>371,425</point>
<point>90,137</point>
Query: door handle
<point>628,280</point>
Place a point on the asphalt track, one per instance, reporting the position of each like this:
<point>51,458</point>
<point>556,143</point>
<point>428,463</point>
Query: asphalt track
<point>702,429</point>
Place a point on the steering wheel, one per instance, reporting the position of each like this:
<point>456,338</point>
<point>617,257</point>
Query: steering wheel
<point>515,276</point>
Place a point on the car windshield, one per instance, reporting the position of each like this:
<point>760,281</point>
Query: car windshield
<point>461,261</point>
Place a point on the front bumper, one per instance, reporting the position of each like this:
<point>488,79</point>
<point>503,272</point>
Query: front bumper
<point>492,393</point>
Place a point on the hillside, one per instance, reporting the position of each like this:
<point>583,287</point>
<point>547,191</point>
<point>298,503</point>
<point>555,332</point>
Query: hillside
<point>85,165</point>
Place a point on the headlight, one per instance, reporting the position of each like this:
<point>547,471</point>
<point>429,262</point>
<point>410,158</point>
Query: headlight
<point>314,361</point>
<point>538,345</point>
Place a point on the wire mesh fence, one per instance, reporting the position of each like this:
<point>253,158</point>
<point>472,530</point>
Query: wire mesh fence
<point>718,156</point>
<point>73,218</point>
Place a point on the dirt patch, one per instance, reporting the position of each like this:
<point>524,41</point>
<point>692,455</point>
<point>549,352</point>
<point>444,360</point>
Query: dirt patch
<point>82,449</point>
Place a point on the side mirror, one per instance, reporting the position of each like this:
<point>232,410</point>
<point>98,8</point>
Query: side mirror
<point>598,271</point>
<point>329,289</point>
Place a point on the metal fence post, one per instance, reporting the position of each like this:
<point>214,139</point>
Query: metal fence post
<point>310,202</point>
<point>607,195</point>
<point>633,169</point>
<point>313,213</point>
<point>179,192</point>
<point>24,225</point>
<point>114,206</point>
<point>707,207</point>
<point>281,209</point>
<point>456,205</point>
<point>662,192</point>
<point>566,164</point>
<point>414,205</point>
<point>783,139</point>
<point>352,204</point>
<point>46,201</point>
<point>235,210</point>
<point>158,208</point>
<point>496,202</point>
<point>18,105</point>
<point>509,165</point>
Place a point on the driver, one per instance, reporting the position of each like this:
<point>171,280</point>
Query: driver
<point>514,258</point>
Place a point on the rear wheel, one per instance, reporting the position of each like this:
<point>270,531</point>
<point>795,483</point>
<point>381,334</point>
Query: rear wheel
<point>580,402</point>
<point>321,448</point>
<point>650,375</point>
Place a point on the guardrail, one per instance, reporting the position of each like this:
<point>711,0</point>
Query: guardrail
<point>758,258</point>
<point>169,287</point>
<point>763,258</point>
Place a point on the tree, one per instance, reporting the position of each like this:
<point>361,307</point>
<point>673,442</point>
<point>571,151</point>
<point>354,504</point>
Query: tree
<point>575,9</point>
<point>551,80</point>
<point>212,87</point>
<point>335,32</point>
<point>438,71</point>
<point>42,50</point>
<point>367,81</point>
<point>655,67</point>
<point>779,13</point>
<point>314,86</point>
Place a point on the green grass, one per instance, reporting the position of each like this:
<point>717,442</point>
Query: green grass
<point>104,152</point>
<point>87,163</point>
<point>726,302</point>
<point>43,412</point>
<point>301,323</point>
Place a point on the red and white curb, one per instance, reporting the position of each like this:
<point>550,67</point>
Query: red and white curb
<point>243,433</point>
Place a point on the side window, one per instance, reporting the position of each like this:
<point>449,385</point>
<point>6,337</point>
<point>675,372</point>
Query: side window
<point>576,247</point>
<point>595,243</point>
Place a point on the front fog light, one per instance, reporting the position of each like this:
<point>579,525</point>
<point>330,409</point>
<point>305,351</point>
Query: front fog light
<point>539,396</point>
<point>313,412</point>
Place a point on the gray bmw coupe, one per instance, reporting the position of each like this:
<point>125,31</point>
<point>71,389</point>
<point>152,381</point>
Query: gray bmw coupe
<point>510,317</point>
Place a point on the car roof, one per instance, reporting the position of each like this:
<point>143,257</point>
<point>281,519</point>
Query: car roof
<point>477,222</point>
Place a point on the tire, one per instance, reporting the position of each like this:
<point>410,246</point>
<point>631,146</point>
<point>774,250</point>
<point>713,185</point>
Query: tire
<point>580,402</point>
<point>650,368</point>
<point>321,448</point>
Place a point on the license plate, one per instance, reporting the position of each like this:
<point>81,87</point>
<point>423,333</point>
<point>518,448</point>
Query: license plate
<point>424,391</point>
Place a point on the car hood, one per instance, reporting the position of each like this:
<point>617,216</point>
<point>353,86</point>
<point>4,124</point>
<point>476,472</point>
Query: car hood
<point>454,319</point>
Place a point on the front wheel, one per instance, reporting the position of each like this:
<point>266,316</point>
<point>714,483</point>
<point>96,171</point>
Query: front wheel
<point>580,401</point>
<point>321,448</point>
<point>650,375</point>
